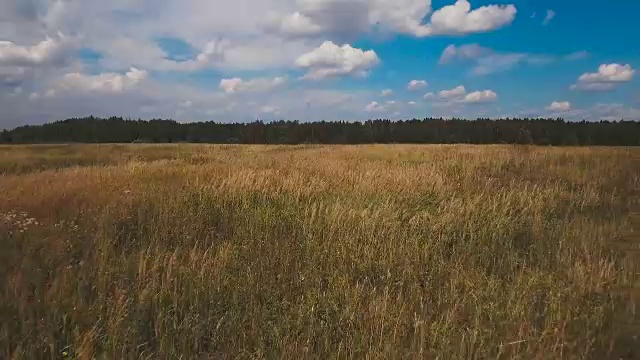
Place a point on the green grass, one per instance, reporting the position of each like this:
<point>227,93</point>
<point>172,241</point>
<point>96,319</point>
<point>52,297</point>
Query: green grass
<point>183,251</point>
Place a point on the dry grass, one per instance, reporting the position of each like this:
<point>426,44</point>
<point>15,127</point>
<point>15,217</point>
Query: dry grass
<point>382,252</point>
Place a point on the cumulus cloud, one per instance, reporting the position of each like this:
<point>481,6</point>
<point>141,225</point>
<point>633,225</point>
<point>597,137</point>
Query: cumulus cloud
<point>459,95</point>
<point>374,106</point>
<point>550,15</point>
<point>607,77</point>
<point>480,97</point>
<point>340,19</point>
<point>386,92</point>
<point>51,51</point>
<point>103,83</point>
<point>347,18</point>
<point>150,55</point>
<point>25,65</point>
<point>233,41</point>
<point>460,19</point>
<point>331,60</point>
<point>453,93</point>
<point>245,54</point>
<point>296,24</point>
<point>609,73</point>
<point>213,51</point>
<point>416,85</point>
<point>390,105</point>
<point>238,85</point>
<point>559,106</point>
<point>227,54</point>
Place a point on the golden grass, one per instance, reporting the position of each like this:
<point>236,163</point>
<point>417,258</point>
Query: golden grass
<point>187,251</point>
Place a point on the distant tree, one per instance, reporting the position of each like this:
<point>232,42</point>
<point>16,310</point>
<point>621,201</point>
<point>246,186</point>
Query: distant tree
<point>425,131</point>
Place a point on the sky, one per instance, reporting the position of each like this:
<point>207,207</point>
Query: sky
<point>308,60</point>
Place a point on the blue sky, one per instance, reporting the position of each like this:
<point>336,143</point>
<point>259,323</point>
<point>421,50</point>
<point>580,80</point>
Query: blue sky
<point>318,59</point>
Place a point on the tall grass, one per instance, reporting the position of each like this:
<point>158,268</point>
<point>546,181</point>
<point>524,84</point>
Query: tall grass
<point>383,252</point>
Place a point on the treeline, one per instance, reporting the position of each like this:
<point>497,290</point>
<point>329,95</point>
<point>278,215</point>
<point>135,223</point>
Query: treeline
<point>425,131</point>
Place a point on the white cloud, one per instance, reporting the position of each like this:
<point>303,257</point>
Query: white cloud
<point>334,19</point>
<point>460,19</point>
<point>560,106</point>
<point>223,36</point>
<point>416,85</point>
<point>237,85</point>
<point>374,106</point>
<point>124,51</point>
<point>51,51</point>
<point>480,97</point>
<point>386,92</point>
<point>255,53</point>
<point>296,24</point>
<point>213,52</point>
<point>262,53</point>
<point>331,60</point>
<point>155,98</point>
<point>550,15</point>
<point>392,107</point>
<point>104,83</point>
<point>104,24</point>
<point>453,93</point>
<point>607,77</point>
<point>609,73</point>
<point>23,67</point>
<point>347,18</point>
<point>459,95</point>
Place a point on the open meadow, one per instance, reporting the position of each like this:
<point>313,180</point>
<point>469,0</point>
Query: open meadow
<point>378,252</point>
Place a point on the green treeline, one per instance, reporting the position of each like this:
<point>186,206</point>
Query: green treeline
<point>427,131</point>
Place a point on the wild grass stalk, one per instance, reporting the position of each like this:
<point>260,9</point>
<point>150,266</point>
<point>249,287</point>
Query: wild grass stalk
<point>183,251</point>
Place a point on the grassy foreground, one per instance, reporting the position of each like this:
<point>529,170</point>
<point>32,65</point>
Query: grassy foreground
<point>381,252</point>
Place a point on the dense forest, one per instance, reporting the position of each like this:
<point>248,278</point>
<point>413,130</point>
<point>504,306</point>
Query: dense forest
<point>426,131</point>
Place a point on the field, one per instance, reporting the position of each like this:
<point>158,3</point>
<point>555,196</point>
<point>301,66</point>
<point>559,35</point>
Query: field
<point>380,252</point>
